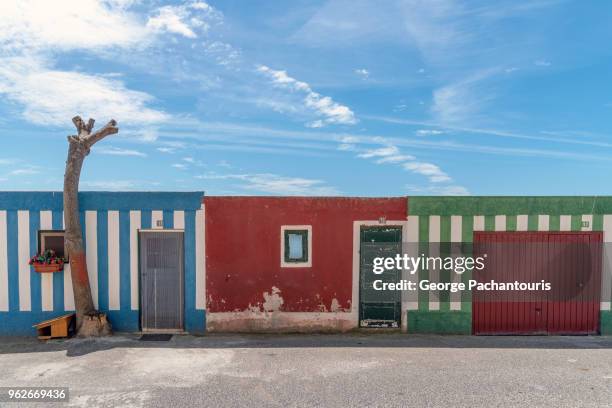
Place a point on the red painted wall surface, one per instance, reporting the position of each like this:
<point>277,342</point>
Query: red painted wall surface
<point>243,249</point>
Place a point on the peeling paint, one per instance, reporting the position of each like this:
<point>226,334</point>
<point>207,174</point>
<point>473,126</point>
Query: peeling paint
<point>335,305</point>
<point>272,301</point>
<point>277,321</point>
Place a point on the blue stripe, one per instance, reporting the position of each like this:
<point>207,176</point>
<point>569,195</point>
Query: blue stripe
<point>58,278</point>
<point>102,260</point>
<point>13,260</point>
<point>35,279</point>
<point>124,260</point>
<point>96,200</point>
<point>194,319</point>
<point>145,219</point>
<point>168,219</point>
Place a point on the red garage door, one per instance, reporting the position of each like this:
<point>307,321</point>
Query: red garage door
<point>570,261</point>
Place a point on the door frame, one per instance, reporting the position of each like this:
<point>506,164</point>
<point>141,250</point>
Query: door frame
<point>355,302</point>
<point>150,230</point>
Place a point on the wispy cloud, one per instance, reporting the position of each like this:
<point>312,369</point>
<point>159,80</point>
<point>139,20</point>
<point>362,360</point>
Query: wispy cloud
<point>186,19</point>
<point>392,155</point>
<point>330,111</point>
<point>428,132</point>
<point>362,73</point>
<point>438,190</point>
<point>542,63</point>
<point>275,184</point>
<point>118,151</point>
<point>26,171</point>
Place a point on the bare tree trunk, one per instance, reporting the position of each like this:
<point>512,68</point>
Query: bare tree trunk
<point>89,321</point>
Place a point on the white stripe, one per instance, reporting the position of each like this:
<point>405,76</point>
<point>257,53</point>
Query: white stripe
<point>434,251</point>
<point>91,252</point>
<point>411,297</point>
<point>565,223</point>
<point>4,292</point>
<point>500,223</point>
<point>23,252</point>
<point>606,279</point>
<point>456,227</point>
<point>543,222</point>
<point>588,218</point>
<point>113,261</point>
<point>200,251</point>
<point>134,227</point>
<point>46,279</point>
<point>179,219</point>
<point>479,223</point>
<point>522,222</point>
<point>68,291</point>
<point>157,219</point>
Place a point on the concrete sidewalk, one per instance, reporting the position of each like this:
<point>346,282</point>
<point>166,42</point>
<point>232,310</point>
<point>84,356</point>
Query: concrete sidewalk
<point>358,369</point>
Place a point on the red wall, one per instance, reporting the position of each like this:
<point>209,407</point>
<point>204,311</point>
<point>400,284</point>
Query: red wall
<point>243,249</point>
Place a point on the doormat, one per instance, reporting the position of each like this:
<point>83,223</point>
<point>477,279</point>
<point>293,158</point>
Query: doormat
<point>155,337</point>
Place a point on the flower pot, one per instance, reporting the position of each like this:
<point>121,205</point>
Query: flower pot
<point>48,268</point>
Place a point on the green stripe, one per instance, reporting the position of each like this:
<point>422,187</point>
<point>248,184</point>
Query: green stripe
<point>467,236</point>
<point>532,222</point>
<point>489,224</point>
<point>597,222</point>
<point>576,223</point>
<point>554,223</point>
<point>511,223</point>
<point>445,275</point>
<point>509,205</point>
<point>423,248</point>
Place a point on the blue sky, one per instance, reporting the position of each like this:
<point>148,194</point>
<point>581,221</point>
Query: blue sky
<point>352,97</point>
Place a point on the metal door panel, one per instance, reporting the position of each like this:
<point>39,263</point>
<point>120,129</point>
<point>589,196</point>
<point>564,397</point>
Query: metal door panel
<point>571,261</point>
<point>379,308</point>
<point>161,280</point>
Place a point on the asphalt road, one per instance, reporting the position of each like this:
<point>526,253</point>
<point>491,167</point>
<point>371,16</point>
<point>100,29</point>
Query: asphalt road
<point>390,370</point>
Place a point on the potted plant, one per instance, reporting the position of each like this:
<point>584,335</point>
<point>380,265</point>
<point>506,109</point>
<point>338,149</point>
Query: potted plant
<point>48,261</point>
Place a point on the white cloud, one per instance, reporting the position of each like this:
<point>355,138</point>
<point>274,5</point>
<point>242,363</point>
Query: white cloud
<point>68,24</point>
<point>433,172</point>
<point>184,19</point>
<point>380,152</point>
<point>179,166</point>
<point>117,151</point>
<point>391,154</point>
<point>171,19</point>
<point>275,184</point>
<point>439,190</point>
<point>542,63</point>
<point>112,185</point>
<point>52,97</point>
<point>428,132</point>
<point>462,101</point>
<point>362,72</point>
<point>26,171</point>
<point>323,106</point>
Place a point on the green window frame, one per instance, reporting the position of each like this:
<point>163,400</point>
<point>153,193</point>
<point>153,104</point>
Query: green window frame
<point>286,250</point>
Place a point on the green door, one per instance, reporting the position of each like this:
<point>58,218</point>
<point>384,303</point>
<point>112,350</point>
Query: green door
<point>379,308</point>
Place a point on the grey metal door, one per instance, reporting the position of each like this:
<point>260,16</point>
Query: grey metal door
<point>161,280</point>
<point>379,308</point>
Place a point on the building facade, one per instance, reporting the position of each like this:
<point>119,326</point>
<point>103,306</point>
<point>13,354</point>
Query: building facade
<point>112,225</point>
<point>182,262</point>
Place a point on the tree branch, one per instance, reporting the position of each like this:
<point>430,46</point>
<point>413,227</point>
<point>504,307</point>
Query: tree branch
<point>79,124</point>
<point>90,125</point>
<point>109,129</point>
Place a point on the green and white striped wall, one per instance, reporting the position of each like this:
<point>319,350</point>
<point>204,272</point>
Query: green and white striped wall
<point>454,219</point>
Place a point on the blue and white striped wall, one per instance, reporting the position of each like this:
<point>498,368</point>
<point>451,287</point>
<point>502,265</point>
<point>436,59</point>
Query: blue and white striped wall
<point>110,223</point>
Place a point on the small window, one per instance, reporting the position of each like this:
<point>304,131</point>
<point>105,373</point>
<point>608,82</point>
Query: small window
<point>296,246</point>
<point>52,239</point>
